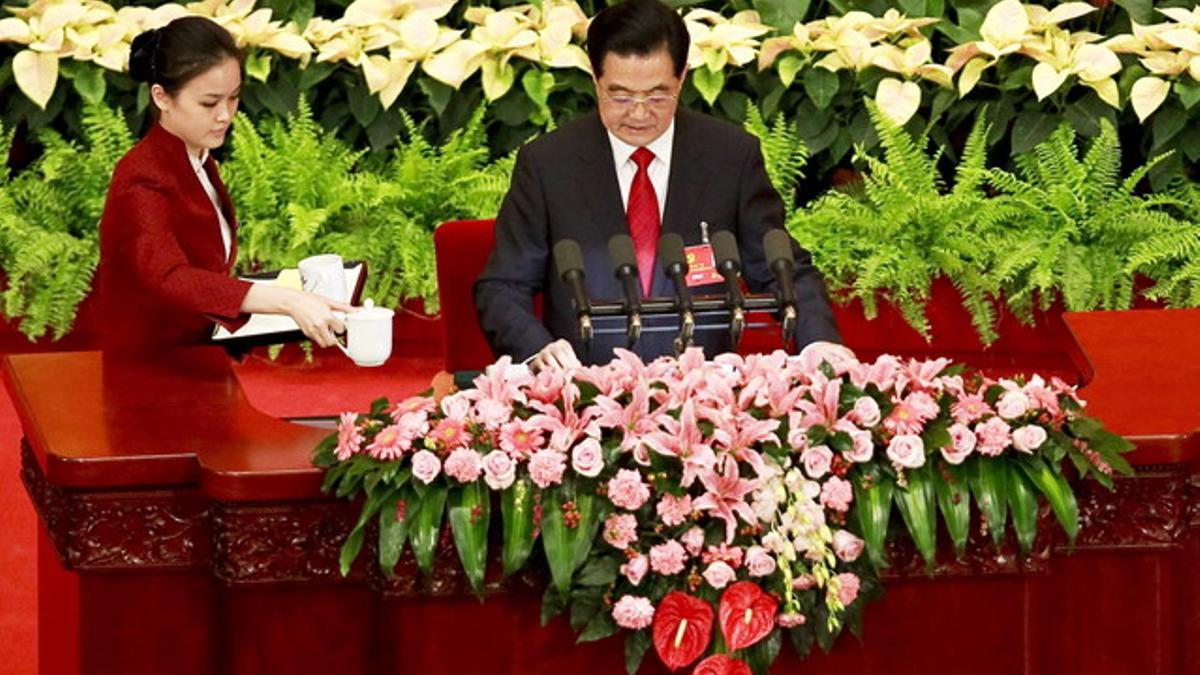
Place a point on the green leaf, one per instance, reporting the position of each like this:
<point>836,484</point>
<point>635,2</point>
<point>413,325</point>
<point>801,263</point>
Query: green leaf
<point>1031,128</point>
<point>1169,120</point>
<point>516,510</point>
<point>599,571</point>
<point>919,510</point>
<point>709,83</point>
<point>1188,91</point>
<point>988,486</point>
<point>585,602</point>
<point>553,603</point>
<point>258,66</point>
<point>364,105</point>
<point>537,85</point>
<point>592,510</point>
<point>426,525</point>
<point>762,654</point>
<point>354,542</point>
<point>558,542</point>
<point>392,532</point>
<point>600,627</point>
<point>954,501</point>
<point>90,83</point>
<point>636,644</point>
<point>1023,502</point>
<point>1141,11</point>
<point>314,74</point>
<point>874,508</point>
<point>470,513</point>
<point>439,94</point>
<point>1058,492</point>
<point>782,14</point>
<point>787,67</point>
<point>821,85</point>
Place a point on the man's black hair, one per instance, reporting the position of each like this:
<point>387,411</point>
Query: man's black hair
<point>637,27</point>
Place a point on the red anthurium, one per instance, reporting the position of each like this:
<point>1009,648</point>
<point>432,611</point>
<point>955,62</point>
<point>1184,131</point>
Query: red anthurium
<point>747,614</point>
<point>682,629</point>
<point>721,664</point>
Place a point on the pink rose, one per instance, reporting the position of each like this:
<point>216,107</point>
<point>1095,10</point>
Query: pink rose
<point>674,510</point>
<point>426,466</point>
<point>719,575</point>
<point>633,612</point>
<point>866,411</point>
<point>499,470</point>
<point>627,490</point>
<point>668,558</point>
<point>816,461</point>
<point>492,413</point>
<point>456,407</point>
<point>620,530</point>
<point>636,568</point>
<point>693,540</point>
<point>837,494</point>
<point>464,465</point>
<point>588,458</point>
<point>994,436</point>
<point>1028,438</point>
<point>907,450</point>
<point>847,588</point>
<point>1012,404</point>
<point>546,467</point>
<point>846,546</point>
<point>962,442</point>
<point>864,447</point>
<point>759,563</point>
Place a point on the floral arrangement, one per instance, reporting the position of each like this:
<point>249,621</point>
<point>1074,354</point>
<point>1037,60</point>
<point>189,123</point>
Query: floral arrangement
<point>388,40</point>
<point>713,507</point>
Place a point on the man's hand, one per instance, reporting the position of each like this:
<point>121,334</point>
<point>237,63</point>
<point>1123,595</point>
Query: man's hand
<point>833,353</point>
<point>558,354</point>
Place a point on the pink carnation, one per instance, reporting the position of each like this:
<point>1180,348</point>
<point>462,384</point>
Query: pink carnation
<point>635,569</point>
<point>962,442</point>
<point>907,450</point>
<point>464,465</point>
<point>627,490</point>
<point>499,470</point>
<point>837,494</point>
<point>633,612</point>
<point>1028,438</point>
<point>620,530</point>
<point>349,438</point>
<point>674,510</point>
<point>816,461</point>
<point>587,458</point>
<point>846,546</point>
<point>790,619</point>
<point>994,436</point>
<point>546,467</point>
<point>668,558</point>
<point>969,409</point>
<point>426,466</point>
<point>759,563</point>
<point>719,575</point>
<point>693,540</point>
<point>848,585</point>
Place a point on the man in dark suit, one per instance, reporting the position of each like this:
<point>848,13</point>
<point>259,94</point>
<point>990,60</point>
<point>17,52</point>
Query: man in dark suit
<point>637,166</point>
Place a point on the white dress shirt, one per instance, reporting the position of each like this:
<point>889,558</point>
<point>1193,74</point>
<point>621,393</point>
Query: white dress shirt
<point>211,191</point>
<point>659,169</point>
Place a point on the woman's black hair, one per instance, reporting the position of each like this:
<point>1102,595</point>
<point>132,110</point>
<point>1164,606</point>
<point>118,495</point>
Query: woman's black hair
<point>179,51</point>
<point>637,27</point>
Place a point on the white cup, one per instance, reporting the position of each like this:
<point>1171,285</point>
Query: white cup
<point>368,335</point>
<point>325,275</point>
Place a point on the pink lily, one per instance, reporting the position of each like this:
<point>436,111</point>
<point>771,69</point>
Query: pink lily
<point>726,497</point>
<point>682,438</point>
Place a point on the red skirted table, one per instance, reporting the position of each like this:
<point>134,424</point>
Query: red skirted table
<point>184,532</point>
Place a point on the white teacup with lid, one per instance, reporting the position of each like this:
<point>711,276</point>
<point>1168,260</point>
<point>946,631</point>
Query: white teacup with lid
<point>368,335</point>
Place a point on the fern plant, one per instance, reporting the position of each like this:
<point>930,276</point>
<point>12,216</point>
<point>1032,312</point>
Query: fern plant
<point>890,236</point>
<point>301,191</point>
<point>1078,230</point>
<point>49,217</point>
<point>784,154</point>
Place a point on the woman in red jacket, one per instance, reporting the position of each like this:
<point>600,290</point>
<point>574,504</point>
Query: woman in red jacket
<point>168,233</point>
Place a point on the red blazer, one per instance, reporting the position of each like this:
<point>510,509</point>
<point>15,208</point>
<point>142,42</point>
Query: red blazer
<point>163,278</point>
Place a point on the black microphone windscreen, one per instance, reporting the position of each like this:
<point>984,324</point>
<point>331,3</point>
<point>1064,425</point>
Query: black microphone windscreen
<point>567,256</point>
<point>620,250</point>
<point>670,251</point>
<point>725,248</point>
<point>777,245</point>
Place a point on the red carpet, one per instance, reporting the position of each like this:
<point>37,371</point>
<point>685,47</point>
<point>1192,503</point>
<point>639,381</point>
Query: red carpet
<point>18,558</point>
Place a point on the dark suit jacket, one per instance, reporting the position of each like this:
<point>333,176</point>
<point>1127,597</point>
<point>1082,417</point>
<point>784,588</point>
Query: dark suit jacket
<point>163,277</point>
<point>565,186</point>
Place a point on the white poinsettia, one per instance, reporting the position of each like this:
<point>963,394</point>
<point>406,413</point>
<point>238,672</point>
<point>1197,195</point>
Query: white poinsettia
<point>800,41</point>
<point>915,60</point>
<point>1061,55</point>
<point>559,25</point>
<point>717,41</point>
<point>898,100</point>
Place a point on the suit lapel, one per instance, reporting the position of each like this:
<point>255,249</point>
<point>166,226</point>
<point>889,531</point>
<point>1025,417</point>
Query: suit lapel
<point>597,181</point>
<point>688,180</point>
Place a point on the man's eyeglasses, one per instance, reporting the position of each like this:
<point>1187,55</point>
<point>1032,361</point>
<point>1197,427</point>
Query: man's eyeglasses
<point>628,102</point>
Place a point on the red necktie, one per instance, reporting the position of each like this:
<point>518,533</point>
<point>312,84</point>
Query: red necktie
<point>643,218</point>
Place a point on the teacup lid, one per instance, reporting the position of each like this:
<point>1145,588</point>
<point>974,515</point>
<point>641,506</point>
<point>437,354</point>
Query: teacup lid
<point>369,312</point>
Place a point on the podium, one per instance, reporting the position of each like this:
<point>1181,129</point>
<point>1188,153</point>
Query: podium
<point>184,532</point>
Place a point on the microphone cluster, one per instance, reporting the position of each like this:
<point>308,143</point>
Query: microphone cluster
<point>672,255</point>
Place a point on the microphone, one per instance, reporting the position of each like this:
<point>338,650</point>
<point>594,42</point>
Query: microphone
<point>674,262</point>
<point>777,248</point>
<point>569,261</point>
<point>729,265</point>
<point>624,261</point>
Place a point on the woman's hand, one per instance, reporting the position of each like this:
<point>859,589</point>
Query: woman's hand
<point>313,313</point>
